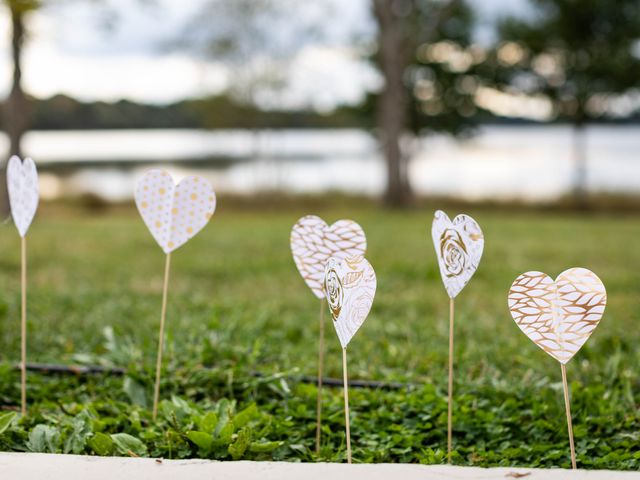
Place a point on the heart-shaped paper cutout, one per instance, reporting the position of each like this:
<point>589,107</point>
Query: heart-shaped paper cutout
<point>459,246</point>
<point>174,213</point>
<point>22,184</point>
<point>558,316</point>
<point>313,242</point>
<point>349,285</point>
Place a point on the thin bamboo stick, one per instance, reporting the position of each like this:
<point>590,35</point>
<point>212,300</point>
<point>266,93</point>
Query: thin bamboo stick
<point>450,412</point>
<point>346,403</point>
<point>320,368</point>
<point>165,287</point>
<point>23,328</point>
<point>568,409</point>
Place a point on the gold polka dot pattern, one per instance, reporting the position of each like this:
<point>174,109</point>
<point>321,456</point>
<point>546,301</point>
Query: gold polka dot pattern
<point>174,213</point>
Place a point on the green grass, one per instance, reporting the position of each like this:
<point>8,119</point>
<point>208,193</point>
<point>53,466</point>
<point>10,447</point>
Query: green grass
<point>237,305</point>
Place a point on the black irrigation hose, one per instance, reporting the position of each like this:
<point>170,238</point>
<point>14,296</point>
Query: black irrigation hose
<point>337,382</point>
<point>47,368</point>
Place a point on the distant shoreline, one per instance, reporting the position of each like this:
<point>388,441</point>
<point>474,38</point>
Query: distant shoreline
<point>61,112</point>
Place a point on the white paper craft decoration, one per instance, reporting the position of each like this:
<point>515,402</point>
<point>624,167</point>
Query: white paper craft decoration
<point>558,316</point>
<point>313,242</point>
<point>459,246</point>
<point>174,213</point>
<point>350,286</point>
<point>22,183</point>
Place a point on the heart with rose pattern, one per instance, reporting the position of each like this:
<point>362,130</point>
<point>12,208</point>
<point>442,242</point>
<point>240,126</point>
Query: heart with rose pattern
<point>349,286</point>
<point>459,246</point>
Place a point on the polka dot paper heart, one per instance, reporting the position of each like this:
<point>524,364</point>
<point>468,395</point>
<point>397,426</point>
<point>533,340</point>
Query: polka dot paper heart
<point>349,285</point>
<point>174,213</point>
<point>313,242</point>
<point>558,316</point>
<point>22,183</point>
<point>459,246</point>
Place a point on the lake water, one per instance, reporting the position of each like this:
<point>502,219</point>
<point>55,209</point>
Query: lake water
<point>500,162</point>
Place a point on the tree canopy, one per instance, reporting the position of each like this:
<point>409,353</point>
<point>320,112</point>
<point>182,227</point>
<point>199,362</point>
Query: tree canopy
<point>582,54</point>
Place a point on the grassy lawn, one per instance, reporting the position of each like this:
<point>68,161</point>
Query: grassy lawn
<point>238,306</point>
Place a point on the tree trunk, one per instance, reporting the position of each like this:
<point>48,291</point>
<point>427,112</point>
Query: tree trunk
<point>16,116</point>
<point>392,115</point>
<point>580,165</point>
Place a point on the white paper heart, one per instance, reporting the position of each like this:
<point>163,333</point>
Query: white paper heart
<point>313,242</point>
<point>22,183</point>
<point>174,213</point>
<point>459,246</point>
<point>558,316</point>
<point>349,285</point>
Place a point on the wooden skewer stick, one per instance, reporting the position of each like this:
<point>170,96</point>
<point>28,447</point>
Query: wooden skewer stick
<point>156,393</point>
<point>450,412</point>
<point>568,409</point>
<point>320,367</point>
<point>23,328</point>
<point>346,403</point>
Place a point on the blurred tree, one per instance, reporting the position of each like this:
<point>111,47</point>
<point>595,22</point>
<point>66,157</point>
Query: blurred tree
<point>426,59</point>
<point>254,39</point>
<point>584,55</point>
<point>17,112</point>
<point>423,54</point>
<point>16,115</point>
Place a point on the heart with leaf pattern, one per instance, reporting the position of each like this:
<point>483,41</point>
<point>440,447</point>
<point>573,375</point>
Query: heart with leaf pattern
<point>313,242</point>
<point>559,316</point>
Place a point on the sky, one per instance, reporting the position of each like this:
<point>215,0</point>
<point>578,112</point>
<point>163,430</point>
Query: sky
<point>129,50</point>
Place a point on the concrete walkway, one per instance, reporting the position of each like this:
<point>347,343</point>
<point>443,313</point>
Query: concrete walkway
<point>38,466</point>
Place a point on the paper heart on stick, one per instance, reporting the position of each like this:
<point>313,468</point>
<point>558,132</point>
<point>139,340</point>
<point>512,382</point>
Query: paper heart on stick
<point>558,316</point>
<point>22,184</point>
<point>174,213</point>
<point>459,246</point>
<point>313,242</point>
<point>349,286</point>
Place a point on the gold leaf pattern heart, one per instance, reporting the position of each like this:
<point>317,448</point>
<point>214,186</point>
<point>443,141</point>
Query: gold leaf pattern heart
<point>350,286</point>
<point>174,213</point>
<point>313,242</point>
<point>558,316</point>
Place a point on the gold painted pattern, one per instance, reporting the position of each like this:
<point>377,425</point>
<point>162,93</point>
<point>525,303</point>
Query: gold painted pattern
<point>174,213</point>
<point>558,316</point>
<point>313,242</point>
<point>350,286</point>
<point>459,245</point>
